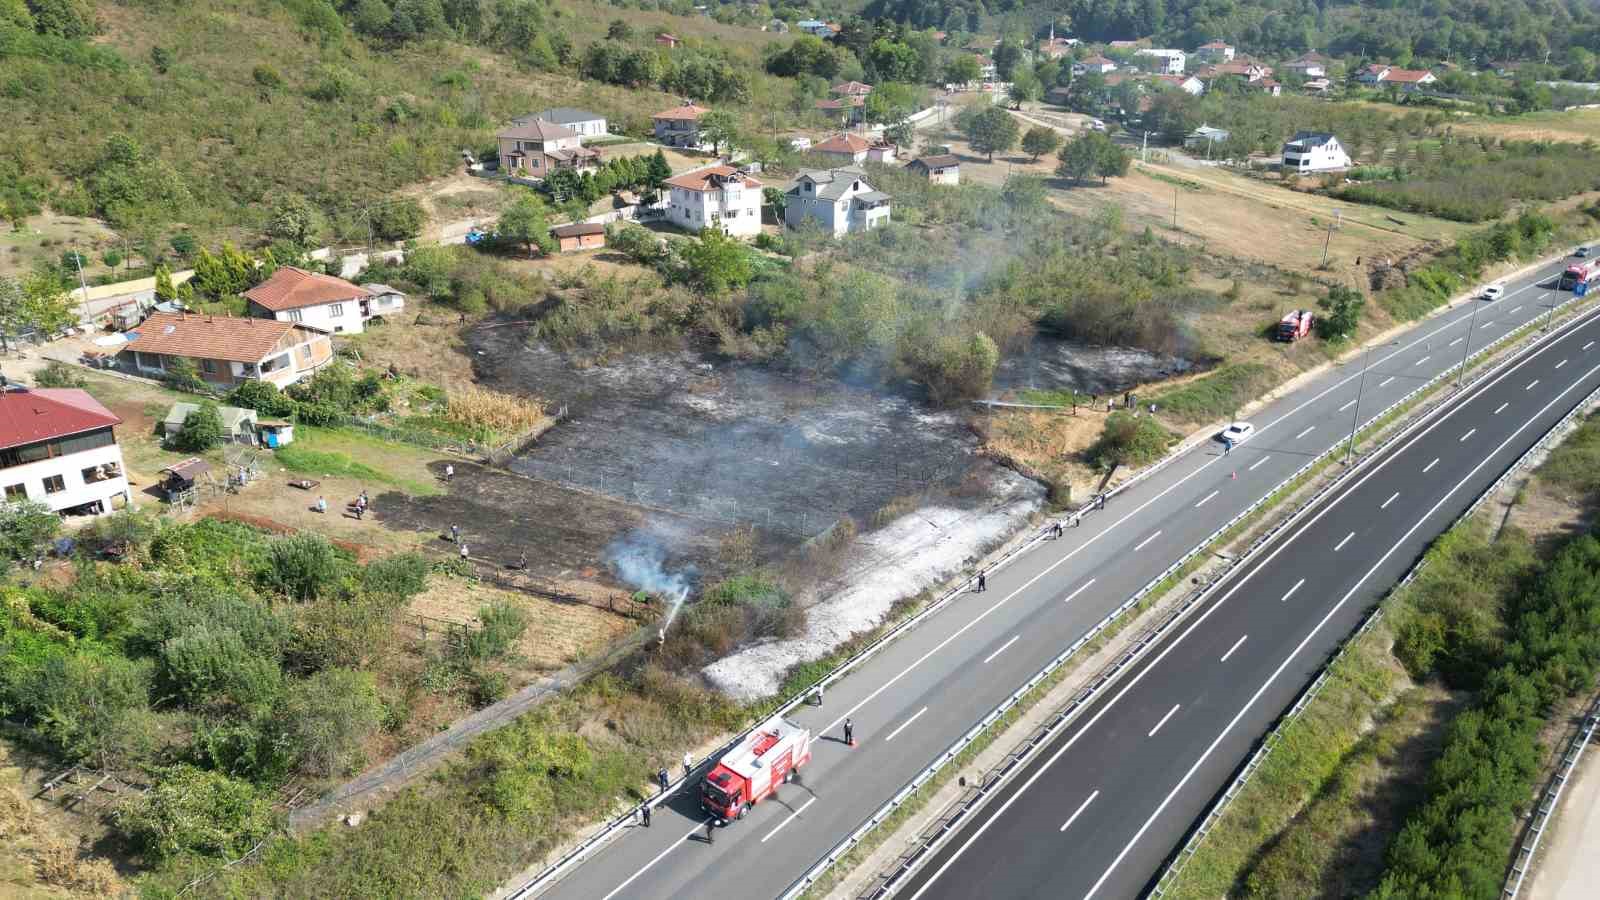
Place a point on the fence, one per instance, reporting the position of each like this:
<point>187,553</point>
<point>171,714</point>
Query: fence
<point>1550,800</point>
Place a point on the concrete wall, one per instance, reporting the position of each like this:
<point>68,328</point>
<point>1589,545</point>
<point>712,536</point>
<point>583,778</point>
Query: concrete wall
<point>77,490</point>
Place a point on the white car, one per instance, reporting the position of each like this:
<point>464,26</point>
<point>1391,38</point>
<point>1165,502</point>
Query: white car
<point>1493,291</point>
<point>1581,251</point>
<point>1236,433</point>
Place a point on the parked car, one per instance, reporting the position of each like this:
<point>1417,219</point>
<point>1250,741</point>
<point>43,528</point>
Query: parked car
<point>1236,433</point>
<point>1581,251</point>
<point>1493,291</point>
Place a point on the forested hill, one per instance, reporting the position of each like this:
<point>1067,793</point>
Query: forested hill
<point>1460,30</point>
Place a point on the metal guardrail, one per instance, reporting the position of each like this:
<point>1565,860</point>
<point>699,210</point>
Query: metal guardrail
<point>910,860</point>
<point>1175,868</point>
<point>1550,801</point>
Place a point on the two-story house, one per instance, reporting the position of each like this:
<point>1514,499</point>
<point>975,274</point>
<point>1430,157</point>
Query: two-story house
<point>680,127</point>
<point>320,301</point>
<point>839,200</point>
<point>1309,65</point>
<point>57,447</point>
<point>533,148</point>
<point>1215,52</point>
<point>844,149</point>
<point>1314,151</point>
<point>587,124</point>
<point>1094,65</point>
<point>1173,62</point>
<point>226,350</point>
<point>845,111</point>
<point>719,197</point>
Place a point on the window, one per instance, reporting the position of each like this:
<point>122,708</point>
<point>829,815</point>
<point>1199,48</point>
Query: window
<point>55,484</point>
<point>294,315</point>
<point>305,353</point>
<point>208,366</point>
<point>336,309</point>
<point>16,492</point>
<point>101,472</point>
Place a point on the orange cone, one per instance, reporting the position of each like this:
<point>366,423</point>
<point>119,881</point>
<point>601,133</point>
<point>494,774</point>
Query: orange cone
<point>1235,475</point>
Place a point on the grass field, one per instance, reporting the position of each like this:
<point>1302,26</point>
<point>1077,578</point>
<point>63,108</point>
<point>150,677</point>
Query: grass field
<point>1577,125</point>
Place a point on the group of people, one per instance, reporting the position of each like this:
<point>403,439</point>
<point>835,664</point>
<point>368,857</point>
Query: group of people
<point>358,507</point>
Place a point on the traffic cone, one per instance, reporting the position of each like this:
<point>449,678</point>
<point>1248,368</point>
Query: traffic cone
<point>852,740</point>
<point>1235,475</point>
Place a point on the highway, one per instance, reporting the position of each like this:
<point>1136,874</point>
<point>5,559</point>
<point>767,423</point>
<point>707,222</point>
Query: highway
<point>1097,811</point>
<point>916,696</point>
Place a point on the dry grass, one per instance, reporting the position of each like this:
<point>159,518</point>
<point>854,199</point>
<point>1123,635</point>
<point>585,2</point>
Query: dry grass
<point>503,413</point>
<point>38,857</point>
<point>47,236</point>
<point>1576,126</point>
<point>558,633</point>
<point>1049,443</point>
<point>427,347</point>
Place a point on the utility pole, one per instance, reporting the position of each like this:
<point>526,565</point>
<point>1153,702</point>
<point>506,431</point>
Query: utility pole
<point>1174,207</point>
<point>77,259</point>
<point>1325,242</point>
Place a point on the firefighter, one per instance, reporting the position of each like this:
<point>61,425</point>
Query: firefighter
<point>983,583</point>
<point>1055,531</point>
<point>849,732</point>
<point>688,764</point>
<point>644,814</point>
<point>663,779</point>
<point>455,534</point>
<point>711,831</point>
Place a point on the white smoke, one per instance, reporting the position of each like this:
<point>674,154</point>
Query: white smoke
<point>639,559</point>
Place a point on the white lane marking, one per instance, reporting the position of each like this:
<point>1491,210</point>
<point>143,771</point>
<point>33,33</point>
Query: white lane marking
<point>1429,466</point>
<point>1588,345</point>
<point>1140,546</point>
<point>1236,645</point>
<point>1258,462</point>
<point>1207,497</point>
<point>1340,546</point>
<point>642,869</point>
<point>791,818</point>
<point>1002,649</point>
<point>1139,835</point>
<point>1385,381</point>
<point>1347,406</point>
<point>904,724</point>
<point>1501,408</point>
<point>1074,816</point>
<point>1424,359</point>
<point>1085,587</point>
<point>1296,587</point>
<point>1470,433</point>
<point>1531,384</point>
<point>1515,309</point>
<point>1308,430</point>
<point>1390,500</point>
<point>1163,720</point>
<point>1456,341</point>
<point>1560,364</point>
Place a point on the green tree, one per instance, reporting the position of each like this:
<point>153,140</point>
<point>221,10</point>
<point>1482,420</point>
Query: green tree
<point>25,527</point>
<point>398,219</point>
<point>718,127</point>
<point>86,706</point>
<point>263,397</point>
<point>161,58</point>
<point>1040,141</point>
<point>1110,161</point>
<point>201,431</point>
<point>888,60</point>
<point>322,721</point>
<point>36,303</point>
<point>716,263</point>
<point>962,69</point>
<point>992,131</point>
<point>1079,157</point>
<point>526,222</point>
<point>302,566</point>
<point>1341,313</point>
<point>165,291</point>
<point>619,30</point>
<point>1007,56</point>
<point>1025,88</point>
<point>293,218</point>
<point>190,810</point>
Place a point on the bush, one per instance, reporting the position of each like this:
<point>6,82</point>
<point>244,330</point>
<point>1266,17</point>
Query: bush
<point>201,431</point>
<point>302,566</point>
<point>400,576</point>
<point>85,706</point>
<point>502,625</point>
<point>58,375</point>
<point>25,527</point>
<point>1341,313</point>
<point>1129,440</point>
<point>322,721</point>
<point>194,811</point>
<point>263,397</point>
<point>181,375</point>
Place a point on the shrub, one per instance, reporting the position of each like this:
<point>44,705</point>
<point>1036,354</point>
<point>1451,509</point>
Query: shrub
<point>1342,313</point>
<point>502,625</point>
<point>58,375</point>
<point>194,811</point>
<point>322,721</point>
<point>181,375</point>
<point>201,431</point>
<point>25,527</point>
<point>400,576</point>
<point>207,664</point>
<point>85,706</point>
<point>302,566</point>
<point>263,397</point>
<point>1129,440</point>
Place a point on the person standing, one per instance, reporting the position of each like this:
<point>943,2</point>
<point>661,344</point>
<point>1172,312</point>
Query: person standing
<point>688,764</point>
<point>983,582</point>
<point>464,553</point>
<point>449,471</point>
<point>322,505</point>
<point>644,814</point>
<point>455,534</point>
<point>849,732</point>
<point>711,831</point>
<point>663,779</point>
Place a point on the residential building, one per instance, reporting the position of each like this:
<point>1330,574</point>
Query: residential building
<point>839,200</point>
<point>1186,83</point>
<point>1094,65</point>
<point>1215,52</point>
<point>680,127</point>
<point>845,111</point>
<point>942,169</point>
<point>1057,47</point>
<point>534,148</point>
<point>814,27</point>
<point>58,447</point>
<point>987,70</point>
<point>320,301</point>
<point>1318,85</point>
<point>1267,86</point>
<point>1205,136</point>
<point>850,89</point>
<point>238,424</point>
<point>1379,74</point>
<point>1245,70</point>
<point>587,124</point>
<point>1173,62</point>
<point>226,350</point>
<point>1314,151</point>
<point>882,152</point>
<point>1309,65</point>
<point>579,236</point>
<point>844,148</point>
<point>720,197</point>
<point>666,40</point>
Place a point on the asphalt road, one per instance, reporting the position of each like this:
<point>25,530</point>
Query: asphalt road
<point>916,696</point>
<point>1100,808</point>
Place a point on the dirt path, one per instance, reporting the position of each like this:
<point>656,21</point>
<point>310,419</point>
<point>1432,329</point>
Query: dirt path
<point>1569,865</point>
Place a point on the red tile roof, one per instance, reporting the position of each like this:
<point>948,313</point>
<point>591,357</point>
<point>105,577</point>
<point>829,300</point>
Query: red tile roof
<point>291,288</point>
<point>578,229</point>
<point>209,337</point>
<point>851,87</point>
<point>688,111</point>
<point>1407,76</point>
<point>843,143</point>
<point>30,416</point>
<point>711,179</point>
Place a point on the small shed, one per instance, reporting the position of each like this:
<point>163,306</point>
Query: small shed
<point>181,477</point>
<point>238,424</point>
<point>275,433</point>
<point>580,236</point>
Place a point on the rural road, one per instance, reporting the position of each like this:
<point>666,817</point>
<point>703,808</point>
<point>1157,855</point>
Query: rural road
<point>917,695</point>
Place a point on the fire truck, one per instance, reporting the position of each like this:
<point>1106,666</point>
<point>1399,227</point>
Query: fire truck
<point>1295,325</point>
<point>1580,277</point>
<point>752,771</point>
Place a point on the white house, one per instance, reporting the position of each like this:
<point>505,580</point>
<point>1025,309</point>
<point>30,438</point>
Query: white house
<point>320,301</point>
<point>1096,64</point>
<point>720,197</point>
<point>1406,79</point>
<point>840,200</point>
<point>1173,62</point>
<point>585,123</point>
<point>1314,151</point>
<point>1310,65</point>
<point>57,447</point>
<point>1215,52</point>
<point>1186,83</point>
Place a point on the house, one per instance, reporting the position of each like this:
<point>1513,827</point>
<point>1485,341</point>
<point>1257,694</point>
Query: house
<point>1266,86</point>
<point>1309,65</point>
<point>814,27</point>
<point>1379,74</point>
<point>987,70</point>
<point>942,169</point>
<point>719,197</point>
<point>1246,70</point>
<point>1173,62</point>
<point>579,236</point>
<point>666,40</point>
<point>846,111</point>
<point>1318,86</point>
<point>844,149</point>
<point>680,127</point>
<point>58,447</point>
<point>1205,135</point>
<point>1097,65</point>
<point>226,350</point>
<point>534,147</point>
<point>320,301</point>
<point>1314,151</point>
<point>238,425</point>
<point>1057,47</point>
<point>1215,52</point>
<point>587,124</point>
<point>882,152</point>
<point>1186,83</point>
<point>850,89</point>
<point>840,200</point>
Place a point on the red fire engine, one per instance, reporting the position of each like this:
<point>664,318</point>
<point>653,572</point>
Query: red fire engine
<point>752,771</point>
<point>1586,274</point>
<point>1295,325</point>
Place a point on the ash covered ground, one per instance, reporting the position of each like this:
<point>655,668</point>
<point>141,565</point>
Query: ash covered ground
<point>1053,364</point>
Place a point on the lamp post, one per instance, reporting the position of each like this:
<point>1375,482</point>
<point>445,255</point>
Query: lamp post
<point>1355,416</point>
<point>1468,348</point>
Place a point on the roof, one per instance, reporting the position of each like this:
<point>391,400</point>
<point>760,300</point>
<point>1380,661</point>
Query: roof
<point>231,415</point>
<point>1312,138</point>
<point>843,143</point>
<point>1176,79</point>
<point>292,288</point>
<point>537,129</point>
<point>848,102</point>
<point>1410,76</point>
<point>189,469</point>
<point>688,111</point>
<point>567,115</point>
<point>832,184</point>
<point>1215,45</point>
<point>209,337</point>
<point>943,160</point>
<point>851,87</point>
<point>578,229</point>
<point>377,288</point>
<point>744,759</point>
<point>664,36</point>
<point>710,179</point>
<point>40,414</point>
<point>1098,60</point>
<point>872,196</point>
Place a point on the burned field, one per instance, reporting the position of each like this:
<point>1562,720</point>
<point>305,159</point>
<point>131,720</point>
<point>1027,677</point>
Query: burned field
<point>1054,364</point>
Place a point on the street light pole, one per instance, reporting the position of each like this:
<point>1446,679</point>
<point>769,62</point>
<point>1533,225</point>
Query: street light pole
<point>1468,349</point>
<point>1356,415</point>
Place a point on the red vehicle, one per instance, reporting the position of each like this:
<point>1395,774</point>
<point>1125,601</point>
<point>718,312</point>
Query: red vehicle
<point>1294,326</point>
<point>1584,273</point>
<point>752,771</point>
